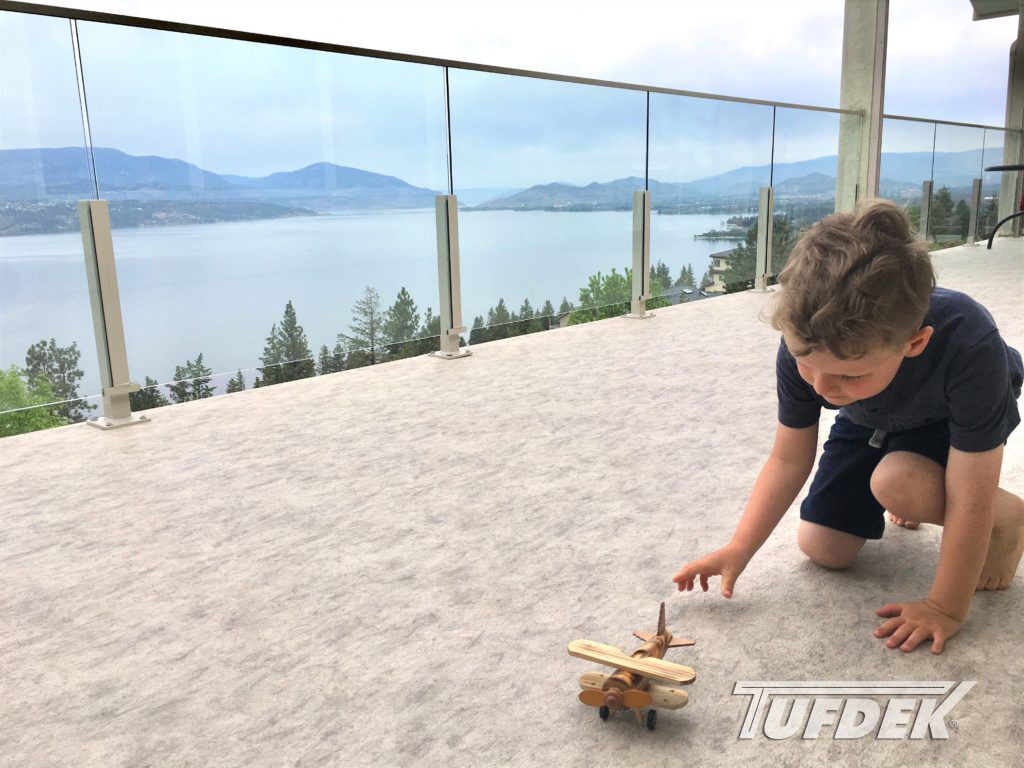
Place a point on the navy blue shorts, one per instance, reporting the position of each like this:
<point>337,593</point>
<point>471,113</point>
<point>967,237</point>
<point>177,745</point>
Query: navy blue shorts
<point>840,495</point>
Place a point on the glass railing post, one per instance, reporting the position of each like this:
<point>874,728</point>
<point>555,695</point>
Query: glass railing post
<point>972,227</point>
<point>641,290</point>
<point>763,259</point>
<point>926,207</point>
<point>448,277</point>
<point>101,271</point>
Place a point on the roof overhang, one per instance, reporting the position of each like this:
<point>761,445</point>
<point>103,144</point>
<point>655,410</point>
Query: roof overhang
<point>993,9</point>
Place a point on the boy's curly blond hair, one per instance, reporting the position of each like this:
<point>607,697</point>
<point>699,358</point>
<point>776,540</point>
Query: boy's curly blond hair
<point>856,282</point>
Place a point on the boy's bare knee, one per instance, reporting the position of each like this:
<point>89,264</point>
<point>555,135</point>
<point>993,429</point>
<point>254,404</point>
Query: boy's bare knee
<point>826,546</point>
<point>885,486</point>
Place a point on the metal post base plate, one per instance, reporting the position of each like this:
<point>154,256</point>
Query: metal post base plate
<point>462,352</point>
<point>102,422</point>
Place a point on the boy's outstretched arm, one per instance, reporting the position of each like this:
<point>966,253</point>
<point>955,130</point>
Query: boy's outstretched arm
<point>780,480</point>
<point>971,482</point>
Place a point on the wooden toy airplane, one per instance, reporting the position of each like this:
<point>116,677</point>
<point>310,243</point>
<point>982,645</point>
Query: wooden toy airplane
<point>630,685</point>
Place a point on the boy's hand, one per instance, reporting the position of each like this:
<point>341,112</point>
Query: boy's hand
<point>727,562</point>
<point>913,623</point>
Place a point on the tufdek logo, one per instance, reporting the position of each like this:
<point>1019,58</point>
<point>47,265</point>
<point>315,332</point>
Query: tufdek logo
<point>810,706</point>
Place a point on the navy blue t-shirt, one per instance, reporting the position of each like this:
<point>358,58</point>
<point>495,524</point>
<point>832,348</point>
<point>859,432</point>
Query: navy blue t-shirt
<point>966,374</point>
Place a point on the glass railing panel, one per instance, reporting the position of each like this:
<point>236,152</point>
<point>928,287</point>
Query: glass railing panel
<point>806,159</point>
<point>545,173</point>
<point>959,160</point>
<point>708,160</point>
<point>906,163</point>
<point>272,207</point>
<point>1001,148</point>
<point>47,346</point>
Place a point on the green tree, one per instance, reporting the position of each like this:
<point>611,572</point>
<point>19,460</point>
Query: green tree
<point>401,324</point>
<point>148,397</point>
<point>739,274</point>
<point>191,381</point>
<point>23,407</point>
<point>366,344</point>
<point>528,322</point>
<point>685,279</point>
<point>610,296</point>
<point>548,310</point>
<point>914,214</point>
<point>661,276</point>
<point>58,367</point>
<point>330,362</point>
<point>565,306</point>
<point>236,384</point>
<point>401,320</point>
<point>286,355</point>
<point>941,217</point>
<point>963,218</point>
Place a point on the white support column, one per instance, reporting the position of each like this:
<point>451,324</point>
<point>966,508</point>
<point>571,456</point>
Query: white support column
<point>926,209</point>
<point>862,88</point>
<point>101,272</point>
<point>972,227</point>
<point>641,256</point>
<point>765,228</point>
<point>448,277</point>
<point>1013,147</point>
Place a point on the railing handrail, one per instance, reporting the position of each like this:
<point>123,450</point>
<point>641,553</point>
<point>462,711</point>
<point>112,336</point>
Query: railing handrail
<point>79,14</point>
<point>934,121</point>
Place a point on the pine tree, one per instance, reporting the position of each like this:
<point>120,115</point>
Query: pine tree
<point>941,218</point>
<point>148,397</point>
<point>286,355</point>
<point>565,306</point>
<point>401,323</point>
<point>237,384</point>
<point>661,276</point>
<point>963,218</point>
<point>330,362</point>
<point>739,274</point>
<point>57,367</point>
<point>527,320</point>
<point>685,279</point>
<point>191,381</point>
<point>547,310</point>
<point>366,343</point>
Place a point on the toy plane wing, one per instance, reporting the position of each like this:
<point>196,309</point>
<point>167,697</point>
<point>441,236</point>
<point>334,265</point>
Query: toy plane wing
<point>657,669</point>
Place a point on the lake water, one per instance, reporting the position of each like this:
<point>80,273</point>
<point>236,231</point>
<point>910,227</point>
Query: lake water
<point>218,288</point>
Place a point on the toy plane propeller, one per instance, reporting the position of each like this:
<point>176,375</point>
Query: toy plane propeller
<point>631,686</point>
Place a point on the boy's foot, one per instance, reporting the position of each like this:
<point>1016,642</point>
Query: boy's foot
<point>905,523</point>
<point>1004,553</point>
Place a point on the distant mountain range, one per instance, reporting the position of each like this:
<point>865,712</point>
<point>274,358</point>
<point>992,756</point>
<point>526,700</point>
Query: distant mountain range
<point>804,179</point>
<point>38,173</point>
<point>55,175</point>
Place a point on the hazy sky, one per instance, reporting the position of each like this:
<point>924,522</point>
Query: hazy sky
<point>233,107</point>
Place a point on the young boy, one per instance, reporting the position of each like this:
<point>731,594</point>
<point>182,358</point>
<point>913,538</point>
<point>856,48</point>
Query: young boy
<point>926,390</point>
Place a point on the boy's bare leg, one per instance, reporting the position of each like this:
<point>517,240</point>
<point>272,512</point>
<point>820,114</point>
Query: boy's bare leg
<point>913,488</point>
<point>827,546</point>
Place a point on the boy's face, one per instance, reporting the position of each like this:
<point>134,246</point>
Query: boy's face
<point>842,382</point>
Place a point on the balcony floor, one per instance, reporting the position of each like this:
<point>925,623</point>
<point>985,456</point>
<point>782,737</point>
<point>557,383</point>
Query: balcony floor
<point>384,567</point>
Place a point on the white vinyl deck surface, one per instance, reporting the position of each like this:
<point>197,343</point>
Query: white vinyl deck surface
<point>384,567</point>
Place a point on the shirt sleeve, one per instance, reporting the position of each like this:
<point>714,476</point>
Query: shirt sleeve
<point>798,407</point>
<point>982,407</point>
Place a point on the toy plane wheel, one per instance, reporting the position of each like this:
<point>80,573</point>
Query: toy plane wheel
<point>652,719</point>
<point>604,712</point>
